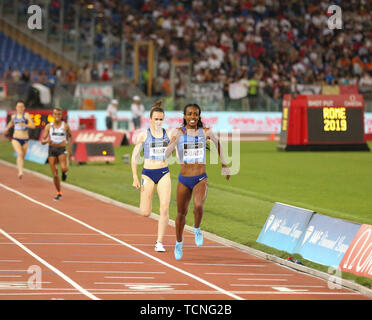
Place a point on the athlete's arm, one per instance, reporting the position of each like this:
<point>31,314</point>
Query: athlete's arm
<point>45,138</point>
<point>177,133</point>
<point>30,124</point>
<point>9,125</point>
<point>216,141</point>
<point>69,138</point>
<point>135,155</point>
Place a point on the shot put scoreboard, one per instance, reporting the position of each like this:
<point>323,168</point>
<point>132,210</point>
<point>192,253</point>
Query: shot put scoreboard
<point>323,122</point>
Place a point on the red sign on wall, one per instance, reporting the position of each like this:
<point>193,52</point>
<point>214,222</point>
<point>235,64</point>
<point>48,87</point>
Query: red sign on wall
<point>358,257</point>
<point>93,136</point>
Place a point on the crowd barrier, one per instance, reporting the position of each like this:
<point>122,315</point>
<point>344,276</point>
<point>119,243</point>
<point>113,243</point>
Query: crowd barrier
<point>325,240</point>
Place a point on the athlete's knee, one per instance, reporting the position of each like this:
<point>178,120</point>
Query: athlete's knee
<point>198,207</point>
<point>21,154</point>
<point>182,214</point>
<point>145,213</point>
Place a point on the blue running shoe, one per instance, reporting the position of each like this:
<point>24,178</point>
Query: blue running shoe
<point>178,250</point>
<point>198,237</point>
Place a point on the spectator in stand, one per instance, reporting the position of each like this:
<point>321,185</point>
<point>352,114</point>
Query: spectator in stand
<point>366,80</point>
<point>95,73</point>
<point>111,114</point>
<point>16,75</point>
<point>25,76</point>
<point>35,76</point>
<point>8,75</point>
<point>138,111</point>
<point>105,75</point>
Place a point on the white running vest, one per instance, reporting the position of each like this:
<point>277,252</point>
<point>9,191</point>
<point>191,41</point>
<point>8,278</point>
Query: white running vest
<point>57,135</point>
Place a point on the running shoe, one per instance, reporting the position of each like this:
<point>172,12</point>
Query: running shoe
<point>178,250</point>
<point>57,197</point>
<point>198,237</point>
<point>64,176</point>
<point>20,175</point>
<point>159,247</point>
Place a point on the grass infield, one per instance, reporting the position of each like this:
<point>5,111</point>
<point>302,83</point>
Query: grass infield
<point>336,184</point>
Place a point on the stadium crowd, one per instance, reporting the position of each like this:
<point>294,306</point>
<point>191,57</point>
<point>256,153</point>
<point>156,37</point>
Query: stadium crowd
<point>264,43</point>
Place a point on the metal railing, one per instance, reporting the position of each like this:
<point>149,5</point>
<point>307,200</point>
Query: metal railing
<point>66,95</point>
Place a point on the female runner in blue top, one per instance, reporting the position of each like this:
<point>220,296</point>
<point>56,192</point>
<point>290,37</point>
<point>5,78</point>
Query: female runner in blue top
<point>22,121</point>
<point>190,141</point>
<point>154,142</point>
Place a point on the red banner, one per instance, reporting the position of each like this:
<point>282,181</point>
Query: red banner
<point>358,257</point>
<point>93,136</point>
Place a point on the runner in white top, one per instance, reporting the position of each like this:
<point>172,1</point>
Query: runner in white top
<point>58,135</point>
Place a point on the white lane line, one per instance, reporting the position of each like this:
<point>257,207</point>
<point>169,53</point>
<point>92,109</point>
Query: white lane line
<point>144,283</point>
<point>285,289</point>
<point>111,277</point>
<point>104,244</point>
<point>211,285</point>
<point>93,234</point>
<point>58,272</point>
<point>92,271</point>
<point>63,244</point>
<point>260,279</point>
<point>270,285</point>
<point>10,276</point>
<point>109,262</point>
<point>224,264</point>
<point>10,260</point>
<point>247,274</point>
<point>173,292</point>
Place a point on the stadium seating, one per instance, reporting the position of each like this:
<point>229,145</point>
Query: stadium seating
<point>14,55</point>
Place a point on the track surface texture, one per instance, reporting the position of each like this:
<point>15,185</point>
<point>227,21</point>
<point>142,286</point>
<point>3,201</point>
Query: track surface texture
<point>81,247</point>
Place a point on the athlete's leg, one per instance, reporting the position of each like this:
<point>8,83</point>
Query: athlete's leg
<point>20,156</point>
<point>147,192</point>
<point>53,167</point>
<point>164,192</point>
<point>62,159</point>
<point>183,199</point>
<point>200,194</point>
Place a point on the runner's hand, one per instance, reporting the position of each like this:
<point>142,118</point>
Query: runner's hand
<point>225,171</point>
<point>136,184</point>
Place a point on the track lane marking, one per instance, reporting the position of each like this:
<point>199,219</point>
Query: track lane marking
<point>49,266</point>
<point>207,283</point>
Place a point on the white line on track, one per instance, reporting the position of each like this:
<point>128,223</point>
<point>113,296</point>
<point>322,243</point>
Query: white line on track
<point>151,272</point>
<point>173,292</point>
<point>247,274</point>
<point>10,260</point>
<point>111,277</point>
<point>270,285</point>
<point>224,264</point>
<point>58,272</point>
<point>109,262</point>
<point>211,285</point>
<point>260,279</point>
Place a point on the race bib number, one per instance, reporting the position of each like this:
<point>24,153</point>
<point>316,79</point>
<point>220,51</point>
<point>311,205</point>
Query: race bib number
<point>193,152</point>
<point>157,149</point>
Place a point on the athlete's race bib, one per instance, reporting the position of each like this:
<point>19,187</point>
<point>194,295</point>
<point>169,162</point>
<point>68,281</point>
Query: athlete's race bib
<point>193,152</point>
<point>157,149</point>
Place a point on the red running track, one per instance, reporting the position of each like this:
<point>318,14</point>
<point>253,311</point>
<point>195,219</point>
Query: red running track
<point>84,248</point>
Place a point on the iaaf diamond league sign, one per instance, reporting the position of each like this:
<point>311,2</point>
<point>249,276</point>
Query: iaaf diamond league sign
<point>284,227</point>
